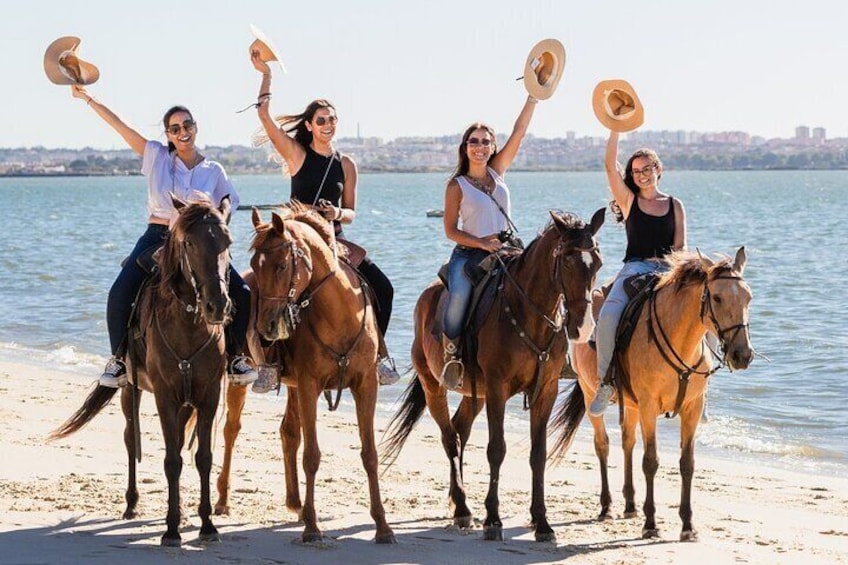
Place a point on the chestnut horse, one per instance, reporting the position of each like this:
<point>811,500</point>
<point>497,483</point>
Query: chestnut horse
<point>300,284</point>
<point>180,356</point>
<point>666,369</point>
<point>542,296</point>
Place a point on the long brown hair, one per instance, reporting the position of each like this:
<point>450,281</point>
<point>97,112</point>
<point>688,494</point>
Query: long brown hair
<point>628,177</point>
<point>462,155</point>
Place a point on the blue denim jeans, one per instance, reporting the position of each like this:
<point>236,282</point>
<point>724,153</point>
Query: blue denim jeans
<point>613,308</point>
<point>459,288</point>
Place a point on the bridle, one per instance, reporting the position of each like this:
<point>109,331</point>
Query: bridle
<point>192,275</point>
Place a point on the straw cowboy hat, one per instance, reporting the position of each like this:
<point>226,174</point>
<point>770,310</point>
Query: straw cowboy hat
<point>543,68</point>
<point>64,66</point>
<point>616,105</point>
<point>267,50</point>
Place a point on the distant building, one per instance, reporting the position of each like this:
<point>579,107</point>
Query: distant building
<point>818,135</point>
<point>802,133</point>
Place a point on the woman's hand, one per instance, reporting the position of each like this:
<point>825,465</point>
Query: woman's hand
<point>490,243</point>
<point>78,91</point>
<point>327,210</point>
<point>258,63</point>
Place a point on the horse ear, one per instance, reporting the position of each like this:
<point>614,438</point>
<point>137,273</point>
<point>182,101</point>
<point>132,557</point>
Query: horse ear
<point>226,208</point>
<point>598,220</point>
<point>740,260</point>
<point>257,221</point>
<point>177,202</point>
<point>706,262</point>
<point>277,222</point>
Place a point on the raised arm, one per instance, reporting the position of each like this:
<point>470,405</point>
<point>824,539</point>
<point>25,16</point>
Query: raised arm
<point>289,149</point>
<point>134,139</point>
<point>507,154</point>
<point>623,196</point>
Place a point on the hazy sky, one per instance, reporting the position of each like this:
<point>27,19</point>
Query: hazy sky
<point>428,67</point>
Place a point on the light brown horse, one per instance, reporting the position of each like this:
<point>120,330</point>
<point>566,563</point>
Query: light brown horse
<point>521,348</point>
<point>181,318</point>
<point>317,304</point>
<point>666,369</point>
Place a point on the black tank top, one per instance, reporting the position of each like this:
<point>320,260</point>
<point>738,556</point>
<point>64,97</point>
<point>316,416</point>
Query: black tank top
<point>649,236</point>
<point>307,181</point>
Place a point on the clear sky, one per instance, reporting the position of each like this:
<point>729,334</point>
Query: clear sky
<point>399,68</point>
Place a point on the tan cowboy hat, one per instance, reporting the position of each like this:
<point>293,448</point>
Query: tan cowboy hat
<point>616,105</point>
<point>543,68</point>
<point>64,66</point>
<point>267,50</point>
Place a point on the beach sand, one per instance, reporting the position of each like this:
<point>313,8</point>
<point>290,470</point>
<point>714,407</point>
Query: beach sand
<point>61,502</point>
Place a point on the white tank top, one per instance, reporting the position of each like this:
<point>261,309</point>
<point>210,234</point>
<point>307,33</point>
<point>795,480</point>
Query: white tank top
<point>478,215</point>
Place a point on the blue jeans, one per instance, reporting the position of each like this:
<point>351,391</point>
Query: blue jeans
<point>613,308</point>
<point>459,289</point>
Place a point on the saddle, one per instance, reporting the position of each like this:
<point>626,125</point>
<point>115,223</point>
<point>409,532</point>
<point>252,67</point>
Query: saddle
<point>481,276</point>
<point>350,252</point>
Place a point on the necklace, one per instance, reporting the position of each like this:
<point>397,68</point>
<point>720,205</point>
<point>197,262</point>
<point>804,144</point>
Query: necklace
<point>482,185</point>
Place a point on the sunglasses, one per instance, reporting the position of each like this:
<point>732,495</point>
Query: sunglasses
<point>322,120</point>
<point>188,125</point>
<point>474,142</point>
<point>646,171</point>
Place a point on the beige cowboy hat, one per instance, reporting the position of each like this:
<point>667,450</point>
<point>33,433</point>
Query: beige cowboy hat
<point>267,50</point>
<point>617,106</point>
<point>64,66</point>
<point>543,68</point>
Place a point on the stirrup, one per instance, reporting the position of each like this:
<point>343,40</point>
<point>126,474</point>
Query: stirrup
<point>268,379</point>
<point>387,371</point>
<point>452,374</point>
<point>601,400</point>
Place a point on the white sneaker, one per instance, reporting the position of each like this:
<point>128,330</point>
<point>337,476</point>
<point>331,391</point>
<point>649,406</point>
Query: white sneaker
<point>115,374</point>
<point>242,372</point>
<point>601,400</point>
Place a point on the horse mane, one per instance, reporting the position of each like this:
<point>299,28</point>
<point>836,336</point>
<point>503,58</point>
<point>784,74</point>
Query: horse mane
<point>169,259</point>
<point>686,269</point>
<point>300,212</point>
<point>571,221</point>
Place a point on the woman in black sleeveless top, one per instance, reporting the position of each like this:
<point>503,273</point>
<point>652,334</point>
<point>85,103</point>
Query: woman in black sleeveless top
<point>325,179</point>
<point>655,224</point>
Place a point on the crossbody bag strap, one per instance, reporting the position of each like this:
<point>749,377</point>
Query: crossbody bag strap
<point>323,180</point>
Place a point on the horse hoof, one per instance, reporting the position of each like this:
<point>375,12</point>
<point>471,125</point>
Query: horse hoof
<point>650,533</point>
<point>210,537</point>
<point>631,514</point>
<point>223,510</point>
<point>169,541</point>
<point>546,536</point>
<point>312,537</point>
<point>130,514</point>
<point>463,522</point>
<point>388,539</point>
<point>493,533</point>
<point>691,535</point>
<point>604,516</point>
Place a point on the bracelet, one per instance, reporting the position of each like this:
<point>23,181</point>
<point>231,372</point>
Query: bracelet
<point>90,98</point>
<point>532,99</point>
<point>339,214</point>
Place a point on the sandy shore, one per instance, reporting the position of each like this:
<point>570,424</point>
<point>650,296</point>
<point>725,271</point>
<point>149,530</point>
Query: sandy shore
<point>62,502</point>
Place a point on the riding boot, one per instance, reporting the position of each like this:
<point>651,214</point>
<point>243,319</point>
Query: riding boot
<point>452,372</point>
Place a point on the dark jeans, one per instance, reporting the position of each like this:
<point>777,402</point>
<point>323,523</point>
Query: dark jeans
<point>383,290</point>
<point>126,286</point>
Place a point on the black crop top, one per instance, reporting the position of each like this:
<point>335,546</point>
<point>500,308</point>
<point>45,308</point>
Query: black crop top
<point>649,236</point>
<point>305,184</point>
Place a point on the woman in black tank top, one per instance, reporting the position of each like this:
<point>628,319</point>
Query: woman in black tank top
<point>325,179</point>
<point>656,226</point>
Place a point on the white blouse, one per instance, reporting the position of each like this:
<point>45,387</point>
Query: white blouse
<point>478,215</point>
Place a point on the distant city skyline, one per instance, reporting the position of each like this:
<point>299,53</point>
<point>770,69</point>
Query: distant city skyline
<point>396,69</point>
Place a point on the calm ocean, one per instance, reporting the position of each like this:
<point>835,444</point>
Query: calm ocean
<point>62,240</point>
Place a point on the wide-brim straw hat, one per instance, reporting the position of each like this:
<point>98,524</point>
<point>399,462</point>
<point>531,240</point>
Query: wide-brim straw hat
<point>617,106</point>
<point>64,66</point>
<point>267,50</point>
<point>543,68</point>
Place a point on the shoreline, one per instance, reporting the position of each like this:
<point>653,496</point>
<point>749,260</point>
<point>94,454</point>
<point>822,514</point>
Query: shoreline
<point>65,498</point>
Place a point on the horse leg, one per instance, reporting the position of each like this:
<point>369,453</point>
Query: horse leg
<point>496,451</point>
<point>365,398</point>
<point>462,421</point>
<point>540,413</point>
<point>203,461</point>
<point>290,439</point>
<point>308,404</point>
<point>173,434</point>
<point>602,453</point>
<point>650,464</point>
<point>129,441</point>
<point>689,418</point>
<point>628,442</point>
<point>236,396</point>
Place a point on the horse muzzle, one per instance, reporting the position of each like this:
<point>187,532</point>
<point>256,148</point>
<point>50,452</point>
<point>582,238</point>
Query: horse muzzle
<point>738,358</point>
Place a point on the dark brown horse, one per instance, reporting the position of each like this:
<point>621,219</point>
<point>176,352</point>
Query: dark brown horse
<point>666,369</point>
<point>521,348</point>
<point>180,356</point>
<point>315,306</point>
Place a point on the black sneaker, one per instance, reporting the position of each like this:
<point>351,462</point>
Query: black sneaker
<point>115,374</point>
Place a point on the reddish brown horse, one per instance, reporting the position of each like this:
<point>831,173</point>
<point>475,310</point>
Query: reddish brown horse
<point>300,284</point>
<point>666,370</point>
<point>180,356</point>
<point>521,348</point>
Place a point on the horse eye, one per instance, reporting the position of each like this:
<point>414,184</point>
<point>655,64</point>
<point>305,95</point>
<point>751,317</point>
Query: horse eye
<point>716,299</point>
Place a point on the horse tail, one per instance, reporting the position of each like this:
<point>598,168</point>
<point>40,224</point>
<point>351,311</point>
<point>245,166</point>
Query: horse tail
<point>566,422</point>
<point>96,401</point>
<point>402,423</point>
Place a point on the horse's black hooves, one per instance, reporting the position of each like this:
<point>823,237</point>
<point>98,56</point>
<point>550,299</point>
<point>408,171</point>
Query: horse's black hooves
<point>388,539</point>
<point>170,541</point>
<point>493,533</point>
<point>546,536</point>
<point>222,510</point>
<point>463,522</point>
<point>210,537</point>
<point>312,537</point>
<point>130,515</point>
<point>604,516</point>
<point>650,533</point>
<point>631,514</point>
<point>690,535</point>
